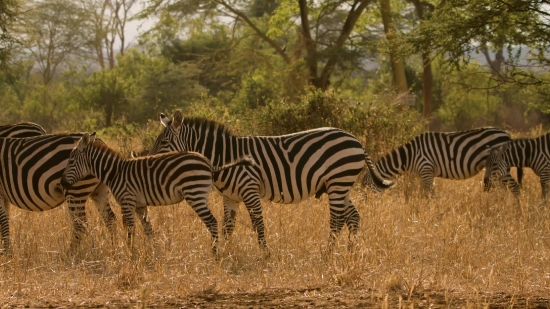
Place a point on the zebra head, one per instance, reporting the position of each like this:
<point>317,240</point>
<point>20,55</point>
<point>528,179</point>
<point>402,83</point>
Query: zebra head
<point>495,166</point>
<point>169,139</point>
<point>78,167</point>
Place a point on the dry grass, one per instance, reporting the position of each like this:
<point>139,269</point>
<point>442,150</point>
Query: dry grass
<point>463,248</point>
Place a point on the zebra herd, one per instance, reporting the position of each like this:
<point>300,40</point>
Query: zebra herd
<point>191,155</point>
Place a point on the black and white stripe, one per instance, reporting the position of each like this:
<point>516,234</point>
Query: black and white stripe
<point>497,170</point>
<point>451,155</point>
<point>136,183</point>
<point>292,167</point>
<point>30,176</point>
<point>21,130</point>
<point>526,152</point>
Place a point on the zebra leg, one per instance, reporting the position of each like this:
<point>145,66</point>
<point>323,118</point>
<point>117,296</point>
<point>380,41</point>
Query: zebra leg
<point>77,211</point>
<point>427,176</point>
<point>143,215</point>
<point>337,216</point>
<point>254,206</point>
<point>508,181</point>
<point>128,207</point>
<point>100,196</point>
<point>544,183</point>
<point>352,220</point>
<point>199,206</point>
<point>4,223</point>
<point>230,209</point>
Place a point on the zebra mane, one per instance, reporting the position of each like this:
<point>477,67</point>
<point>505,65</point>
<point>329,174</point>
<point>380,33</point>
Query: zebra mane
<point>203,124</point>
<point>101,145</point>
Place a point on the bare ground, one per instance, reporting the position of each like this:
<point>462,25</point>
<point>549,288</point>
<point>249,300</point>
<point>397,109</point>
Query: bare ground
<point>300,298</point>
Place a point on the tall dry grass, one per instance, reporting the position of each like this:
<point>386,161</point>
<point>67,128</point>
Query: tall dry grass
<point>463,243</point>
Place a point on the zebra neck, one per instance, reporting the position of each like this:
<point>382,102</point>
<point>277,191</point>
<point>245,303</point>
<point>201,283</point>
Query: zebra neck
<point>223,149</point>
<point>394,163</point>
<point>105,166</point>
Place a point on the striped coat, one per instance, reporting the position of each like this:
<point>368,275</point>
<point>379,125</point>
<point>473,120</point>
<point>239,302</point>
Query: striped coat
<point>293,167</point>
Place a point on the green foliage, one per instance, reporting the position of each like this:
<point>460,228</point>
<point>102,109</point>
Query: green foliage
<point>371,119</point>
<point>9,10</point>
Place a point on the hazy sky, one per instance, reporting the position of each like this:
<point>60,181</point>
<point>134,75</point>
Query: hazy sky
<point>136,27</point>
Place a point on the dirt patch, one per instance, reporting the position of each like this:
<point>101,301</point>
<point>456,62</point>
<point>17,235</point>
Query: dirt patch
<point>301,298</point>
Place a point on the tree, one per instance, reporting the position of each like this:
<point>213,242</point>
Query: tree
<point>9,10</point>
<point>423,10</point>
<point>104,28</point>
<point>458,29</point>
<point>323,36</point>
<point>397,62</point>
<point>51,35</point>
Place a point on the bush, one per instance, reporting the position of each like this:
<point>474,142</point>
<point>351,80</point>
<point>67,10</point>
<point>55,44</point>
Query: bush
<point>378,124</point>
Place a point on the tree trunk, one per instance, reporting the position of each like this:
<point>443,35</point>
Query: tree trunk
<point>427,82</point>
<point>427,76</point>
<point>109,104</point>
<point>311,60</point>
<point>397,63</point>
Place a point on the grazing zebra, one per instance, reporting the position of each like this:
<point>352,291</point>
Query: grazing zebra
<point>30,175</point>
<point>496,169</point>
<point>525,152</point>
<point>291,167</point>
<point>136,183</point>
<point>20,130</point>
<point>452,155</point>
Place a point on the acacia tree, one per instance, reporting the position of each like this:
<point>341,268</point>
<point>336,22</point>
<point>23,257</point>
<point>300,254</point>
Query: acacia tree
<point>9,10</point>
<point>103,27</point>
<point>423,11</point>
<point>397,62</point>
<point>323,29</point>
<point>461,28</point>
<point>51,35</point>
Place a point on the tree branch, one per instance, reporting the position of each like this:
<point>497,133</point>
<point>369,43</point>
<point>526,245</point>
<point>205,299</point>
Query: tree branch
<point>351,20</point>
<point>259,32</point>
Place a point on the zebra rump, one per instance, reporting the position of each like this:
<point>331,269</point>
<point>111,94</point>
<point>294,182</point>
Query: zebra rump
<point>30,175</point>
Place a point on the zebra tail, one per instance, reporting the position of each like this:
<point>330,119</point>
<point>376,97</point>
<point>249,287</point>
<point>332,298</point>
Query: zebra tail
<point>378,180</point>
<point>242,161</point>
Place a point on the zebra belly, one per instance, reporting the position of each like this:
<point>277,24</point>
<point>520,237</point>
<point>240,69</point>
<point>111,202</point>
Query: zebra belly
<point>46,200</point>
<point>158,200</point>
<point>457,175</point>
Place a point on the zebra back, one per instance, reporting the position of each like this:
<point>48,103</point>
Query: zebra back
<point>294,166</point>
<point>21,130</point>
<point>453,155</point>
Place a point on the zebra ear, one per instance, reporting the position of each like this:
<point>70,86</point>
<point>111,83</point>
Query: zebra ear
<point>165,120</point>
<point>178,118</point>
<point>83,142</point>
<point>92,138</point>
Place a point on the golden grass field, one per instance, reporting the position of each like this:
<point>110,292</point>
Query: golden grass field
<point>462,249</point>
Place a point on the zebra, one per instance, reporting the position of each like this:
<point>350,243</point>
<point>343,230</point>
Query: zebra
<point>524,152</point>
<point>20,130</point>
<point>451,155</point>
<point>496,169</point>
<point>30,176</point>
<point>291,168</point>
<point>136,183</point>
